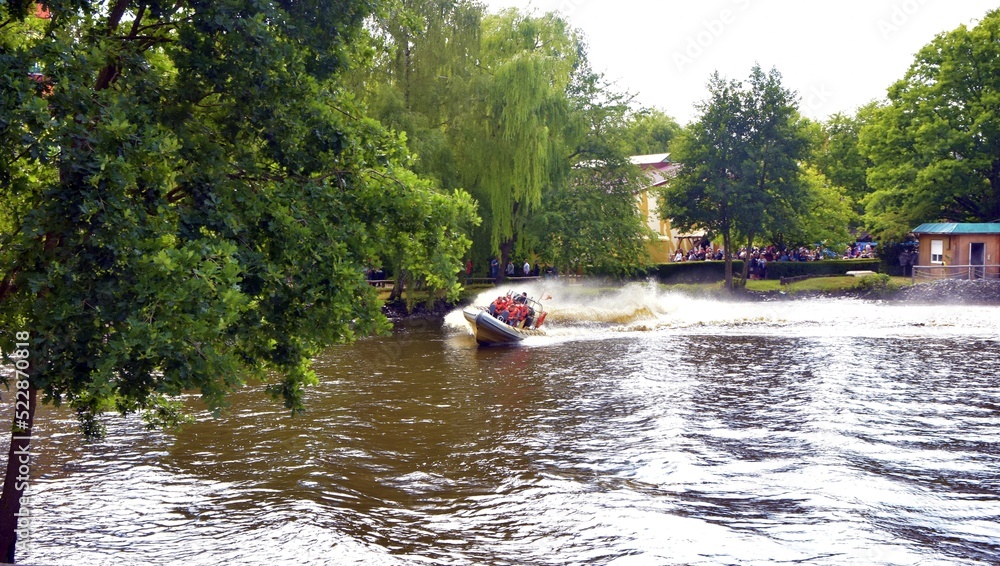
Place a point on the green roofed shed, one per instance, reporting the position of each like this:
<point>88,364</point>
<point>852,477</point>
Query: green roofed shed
<point>953,249</point>
<point>958,228</point>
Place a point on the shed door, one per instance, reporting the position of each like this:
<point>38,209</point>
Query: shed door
<point>977,259</point>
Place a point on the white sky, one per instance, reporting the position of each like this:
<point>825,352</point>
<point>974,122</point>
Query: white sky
<point>838,55</point>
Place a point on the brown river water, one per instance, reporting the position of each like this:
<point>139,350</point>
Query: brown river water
<point>646,429</point>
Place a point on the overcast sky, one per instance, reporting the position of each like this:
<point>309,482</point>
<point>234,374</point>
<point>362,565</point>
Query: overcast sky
<point>836,55</point>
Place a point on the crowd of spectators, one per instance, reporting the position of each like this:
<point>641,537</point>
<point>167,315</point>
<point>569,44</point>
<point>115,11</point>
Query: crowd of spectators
<point>759,257</point>
<point>772,253</point>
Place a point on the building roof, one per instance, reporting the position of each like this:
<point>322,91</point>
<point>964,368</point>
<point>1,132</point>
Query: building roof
<point>958,228</point>
<point>651,159</point>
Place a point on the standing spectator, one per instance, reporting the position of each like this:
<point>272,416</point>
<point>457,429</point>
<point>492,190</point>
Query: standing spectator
<point>494,270</point>
<point>906,261</point>
<point>526,268</point>
<point>468,271</point>
<point>510,268</point>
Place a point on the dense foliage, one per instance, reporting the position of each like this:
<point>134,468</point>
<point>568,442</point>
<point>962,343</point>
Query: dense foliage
<point>192,198</point>
<point>935,147</point>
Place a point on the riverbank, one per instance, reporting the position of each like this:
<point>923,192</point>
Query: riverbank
<point>397,311</point>
<point>953,292</point>
<point>877,287</point>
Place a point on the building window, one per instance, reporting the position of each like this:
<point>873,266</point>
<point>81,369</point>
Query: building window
<point>937,251</point>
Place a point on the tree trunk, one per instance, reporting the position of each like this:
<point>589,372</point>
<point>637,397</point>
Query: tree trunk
<point>746,262</point>
<point>397,285</point>
<point>18,473</point>
<point>994,198</point>
<point>504,259</point>
<point>726,241</point>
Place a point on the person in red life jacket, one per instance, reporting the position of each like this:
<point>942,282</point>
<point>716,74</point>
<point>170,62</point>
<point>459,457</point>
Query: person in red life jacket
<point>499,305</point>
<point>504,315</point>
<point>517,313</point>
<point>529,318</point>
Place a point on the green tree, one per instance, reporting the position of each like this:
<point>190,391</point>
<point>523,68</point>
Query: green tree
<point>838,155</point>
<point>650,131</point>
<point>740,163</point>
<point>590,221</point>
<point>825,215</point>
<point>190,200</point>
<point>935,147</point>
<point>420,76</point>
<point>417,84</point>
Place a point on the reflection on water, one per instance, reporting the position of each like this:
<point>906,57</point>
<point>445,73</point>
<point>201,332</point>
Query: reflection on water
<point>835,432</point>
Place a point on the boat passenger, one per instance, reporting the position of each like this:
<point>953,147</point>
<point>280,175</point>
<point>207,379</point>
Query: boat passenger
<point>499,305</point>
<point>522,298</point>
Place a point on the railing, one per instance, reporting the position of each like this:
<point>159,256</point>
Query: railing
<point>930,272</point>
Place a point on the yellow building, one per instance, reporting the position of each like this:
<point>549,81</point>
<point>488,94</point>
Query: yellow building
<point>660,170</point>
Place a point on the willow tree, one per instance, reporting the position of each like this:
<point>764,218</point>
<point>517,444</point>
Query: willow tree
<point>417,83</point>
<point>513,144</point>
<point>189,200</point>
<point>418,80</point>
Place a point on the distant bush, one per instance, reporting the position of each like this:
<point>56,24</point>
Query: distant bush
<point>779,269</point>
<point>877,285</point>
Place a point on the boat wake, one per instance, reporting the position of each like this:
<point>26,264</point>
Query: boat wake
<point>595,311</point>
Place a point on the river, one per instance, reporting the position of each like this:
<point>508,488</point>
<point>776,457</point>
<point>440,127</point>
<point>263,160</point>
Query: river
<point>647,428</point>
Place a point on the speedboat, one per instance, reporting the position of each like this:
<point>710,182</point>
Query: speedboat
<point>508,320</point>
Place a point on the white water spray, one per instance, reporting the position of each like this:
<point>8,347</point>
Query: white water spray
<point>594,310</point>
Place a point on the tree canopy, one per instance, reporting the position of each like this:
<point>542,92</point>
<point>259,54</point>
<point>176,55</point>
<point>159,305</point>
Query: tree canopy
<point>935,147</point>
<point>197,198</point>
<point>190,199</point>
<point>650,131</point>
<point>838,154</point>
